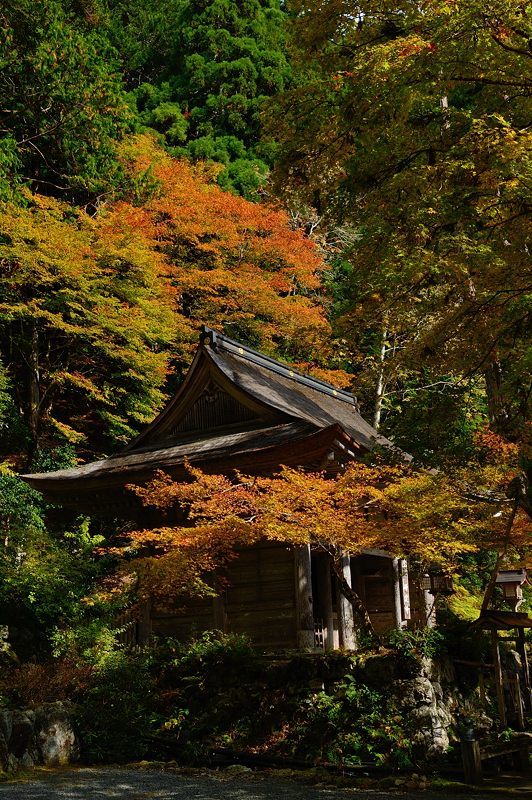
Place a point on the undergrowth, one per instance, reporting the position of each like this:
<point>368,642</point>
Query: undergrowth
<point>183,701</point>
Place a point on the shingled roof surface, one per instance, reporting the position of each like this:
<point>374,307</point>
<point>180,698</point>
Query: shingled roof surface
<point>292,396</point>
<point>199,449</point>
<point>296,407</point>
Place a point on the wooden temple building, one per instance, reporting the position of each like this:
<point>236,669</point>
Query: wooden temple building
<point>239,409</point>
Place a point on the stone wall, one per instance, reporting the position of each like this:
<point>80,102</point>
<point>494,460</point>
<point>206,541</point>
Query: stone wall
<point>429,705</point>
<point>41,736</point>
<point>436,709</point>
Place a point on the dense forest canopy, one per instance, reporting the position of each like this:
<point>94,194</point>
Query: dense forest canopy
<point>342,186</point>
<point>411,135</point>
<point>77,76</point>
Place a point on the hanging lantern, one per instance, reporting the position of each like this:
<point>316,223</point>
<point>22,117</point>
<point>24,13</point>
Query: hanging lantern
<point>437,582</point>
<point>511,582</point>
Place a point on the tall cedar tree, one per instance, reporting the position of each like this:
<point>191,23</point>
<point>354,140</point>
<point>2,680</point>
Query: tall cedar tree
<point>63,103</point>
<point>200,72</point>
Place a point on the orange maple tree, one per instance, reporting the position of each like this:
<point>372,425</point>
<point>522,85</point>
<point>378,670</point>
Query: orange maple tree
<point>95,312</point>
<point>235,264</point>
<point>393,507</point>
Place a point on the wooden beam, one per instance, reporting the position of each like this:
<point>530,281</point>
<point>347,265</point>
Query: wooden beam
<point>346,621</point>
<point>480,664</point>
<point>304,604</point>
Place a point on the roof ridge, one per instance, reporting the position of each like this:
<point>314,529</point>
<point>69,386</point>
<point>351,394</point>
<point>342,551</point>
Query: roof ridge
<point>211,338</point>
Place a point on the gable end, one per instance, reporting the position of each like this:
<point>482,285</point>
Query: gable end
<point>214,409</point>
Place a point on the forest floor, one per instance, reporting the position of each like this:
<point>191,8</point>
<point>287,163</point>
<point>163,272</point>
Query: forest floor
<point>91,783</point>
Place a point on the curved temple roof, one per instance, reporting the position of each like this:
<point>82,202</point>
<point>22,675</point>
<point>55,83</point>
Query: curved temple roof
<point>235,409</point>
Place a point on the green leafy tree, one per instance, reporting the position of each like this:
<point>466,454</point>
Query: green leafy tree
<point>44,572</point>
<point>410,139</point>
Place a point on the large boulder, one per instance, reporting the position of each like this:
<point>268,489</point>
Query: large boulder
<point>428,709</point>
<point>22,723</point>
<point>41,736</point>
<point>55,736</point>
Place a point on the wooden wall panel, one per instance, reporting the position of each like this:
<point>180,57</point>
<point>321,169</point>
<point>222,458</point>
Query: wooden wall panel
<point>191,619</point>
<point>373,580</point>
<point>418,604</point>
<point>260,600</point>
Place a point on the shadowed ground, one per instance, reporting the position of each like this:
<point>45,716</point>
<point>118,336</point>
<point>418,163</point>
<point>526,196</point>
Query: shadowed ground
<point>91,783</point>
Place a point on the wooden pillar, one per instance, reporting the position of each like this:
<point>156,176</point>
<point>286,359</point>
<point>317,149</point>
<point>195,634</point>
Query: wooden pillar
<point>527,688</point>
<point>471,761</point>
<point>304,606</point>
<point>397,604</point>
<point>346,621</point>
<point>482,686</point>
<point>325,598</point>
<point>144,626</point>
<point>498,679</point>
<point>521,725</point>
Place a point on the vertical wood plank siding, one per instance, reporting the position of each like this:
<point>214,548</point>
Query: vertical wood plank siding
<point>259,602</point>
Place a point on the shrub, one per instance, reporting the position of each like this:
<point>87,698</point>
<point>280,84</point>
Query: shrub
<point>31,684</point>
<point>351,724</point>
<point>417,644</point>
<point>115,713</point>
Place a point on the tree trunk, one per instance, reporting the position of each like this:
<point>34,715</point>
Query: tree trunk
<point>355,600</point>
<point>497,411</point>
<point>488,594</point>
<point>34,393</point>
<point>379,391</point>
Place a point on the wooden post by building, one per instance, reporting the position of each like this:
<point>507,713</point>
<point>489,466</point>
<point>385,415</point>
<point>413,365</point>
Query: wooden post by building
<point>404,585</point>
<point>346,621</point>
<point>305,614</point>
<point>397,594</point>
<point>472,761</point>
<point>323,568</point>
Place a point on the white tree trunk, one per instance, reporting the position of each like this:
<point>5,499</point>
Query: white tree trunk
<point>379,390</point>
